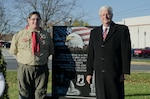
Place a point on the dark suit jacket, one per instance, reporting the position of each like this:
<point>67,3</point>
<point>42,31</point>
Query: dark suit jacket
<point>110,58</point>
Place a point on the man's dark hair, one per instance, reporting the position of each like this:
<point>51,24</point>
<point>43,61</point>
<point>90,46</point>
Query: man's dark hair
<point>34,12</point>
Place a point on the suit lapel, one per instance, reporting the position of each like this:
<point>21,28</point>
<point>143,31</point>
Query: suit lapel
<point>99,34</point>
<point>111,31</point>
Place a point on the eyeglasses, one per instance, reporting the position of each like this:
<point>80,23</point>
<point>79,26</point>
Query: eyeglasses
<point>34,19</point>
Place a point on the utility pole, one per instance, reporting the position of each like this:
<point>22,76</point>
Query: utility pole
<point>144,39</point>
<point>138,36</point>
<point>69,24</point>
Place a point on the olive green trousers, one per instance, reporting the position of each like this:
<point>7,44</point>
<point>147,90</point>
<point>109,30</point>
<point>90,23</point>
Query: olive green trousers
<point>32,81</point>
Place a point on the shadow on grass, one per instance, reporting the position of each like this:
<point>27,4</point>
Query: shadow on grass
<point>130,95</point>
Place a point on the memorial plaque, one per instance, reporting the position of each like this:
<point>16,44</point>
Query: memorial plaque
<point>69,62</point>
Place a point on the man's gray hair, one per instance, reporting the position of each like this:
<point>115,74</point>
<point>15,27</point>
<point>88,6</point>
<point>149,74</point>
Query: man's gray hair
<point>106,7</point>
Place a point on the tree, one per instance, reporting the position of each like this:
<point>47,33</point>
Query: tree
<point>4,22</point>
<point>77,22</point>
<point>53,12</point>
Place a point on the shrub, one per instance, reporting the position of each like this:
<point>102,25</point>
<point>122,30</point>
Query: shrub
<point>3,70</point>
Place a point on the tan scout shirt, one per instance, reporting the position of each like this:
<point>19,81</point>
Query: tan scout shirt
<point>21,46</point>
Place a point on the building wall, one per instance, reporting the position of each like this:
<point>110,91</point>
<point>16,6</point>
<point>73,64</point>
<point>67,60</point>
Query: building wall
<point>139,28</point>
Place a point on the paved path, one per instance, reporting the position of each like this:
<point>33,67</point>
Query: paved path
<point>7,55</point>
<point>135,65</point>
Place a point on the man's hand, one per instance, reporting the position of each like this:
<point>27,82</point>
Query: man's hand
<point>123,77</point>
<point>89,79</point>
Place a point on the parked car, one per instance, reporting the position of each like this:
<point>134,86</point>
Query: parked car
<point>142,52</point>
<point>7,45</point>
<point>2,43</point>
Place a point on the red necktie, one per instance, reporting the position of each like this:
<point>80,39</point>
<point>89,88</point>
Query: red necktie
<point>35,44</point>
<point>104,34</point>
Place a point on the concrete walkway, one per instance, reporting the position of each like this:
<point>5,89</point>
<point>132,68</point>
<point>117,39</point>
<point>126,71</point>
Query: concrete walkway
<point>7,55</point>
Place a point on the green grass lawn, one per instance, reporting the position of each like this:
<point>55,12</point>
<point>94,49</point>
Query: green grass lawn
<point>137,85</point>
<point>12,83</point>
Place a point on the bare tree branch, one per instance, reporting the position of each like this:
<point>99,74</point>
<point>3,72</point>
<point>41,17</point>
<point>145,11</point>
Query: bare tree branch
<point>53,12</point>
<point>4,22</point>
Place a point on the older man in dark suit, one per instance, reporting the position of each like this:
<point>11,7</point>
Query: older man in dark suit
<point>109,54</point>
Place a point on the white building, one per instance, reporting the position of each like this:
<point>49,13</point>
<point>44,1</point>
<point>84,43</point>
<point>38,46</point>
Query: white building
<point>139,28</point>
